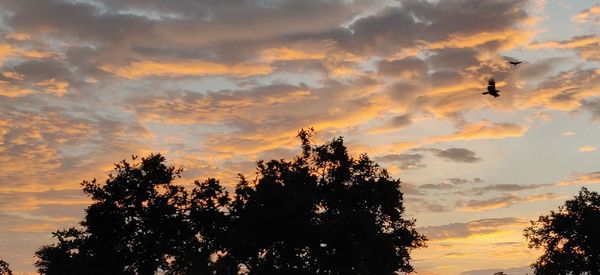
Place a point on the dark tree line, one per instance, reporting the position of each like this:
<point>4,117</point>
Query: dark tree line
<point>322,212</point>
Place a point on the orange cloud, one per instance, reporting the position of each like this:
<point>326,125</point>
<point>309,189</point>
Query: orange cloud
<point>5,51</point>
<point>582,178</point>
<point>587,149</point>
<point>510,37</point>
<point>456,247</point>
<point>19,36</point>
<point>52,86</point>
<point>568,44</point>
<point>591,14</point>
<point>141,69</point>
<point>469,230</point>
<point>288,54</point>
<point>13,91</point>
<point>504,201</point>
<point>484,130</point>
<point>588,47</point>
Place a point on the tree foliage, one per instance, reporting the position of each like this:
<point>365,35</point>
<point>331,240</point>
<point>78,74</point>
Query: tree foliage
<point>570,237</point>
<point>4,268</point>
<point>322,212</point>
<point>135,224</point>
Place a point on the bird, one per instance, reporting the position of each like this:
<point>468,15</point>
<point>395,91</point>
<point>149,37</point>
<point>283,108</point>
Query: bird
<point>515,63</point>
<point>491,88</point>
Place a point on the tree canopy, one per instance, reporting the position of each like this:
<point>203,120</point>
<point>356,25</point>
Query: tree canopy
<point>4,268</point>
<point>570,237</point>
<point>322,212</point>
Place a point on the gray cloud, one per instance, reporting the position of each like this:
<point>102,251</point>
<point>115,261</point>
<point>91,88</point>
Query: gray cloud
<point>416,20</point>
<point>407,67</point>
<point>454,154</point>
<point>507,188</point>
<point>451,183</point>
<point>453,59</point>
<point>592,106</point>
<point>400,121</point>
<point>502,201</point>
<point>459,155</point>
<point>423,205</point>
<point>404,161</point>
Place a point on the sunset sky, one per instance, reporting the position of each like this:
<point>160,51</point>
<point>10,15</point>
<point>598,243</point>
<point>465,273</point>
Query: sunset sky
<point>217,85</point>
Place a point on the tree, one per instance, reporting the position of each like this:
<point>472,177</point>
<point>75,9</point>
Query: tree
<point>499,273</point>
<point>135,225</point>
<point>4,268</point>
<point>570,237</point>
<point>323,212</point>
<point>208,230</point>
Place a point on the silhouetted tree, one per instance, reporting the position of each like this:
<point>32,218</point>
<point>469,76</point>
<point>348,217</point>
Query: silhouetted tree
<point>135,225</point>
<point>499,273</point>
<point>570,237</point>
<point>323,212</point>
<point>207,230</point>
<point>4,268</point>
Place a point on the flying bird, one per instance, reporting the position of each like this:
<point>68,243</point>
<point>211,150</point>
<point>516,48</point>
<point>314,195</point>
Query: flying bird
<point>515,63</point>
<point>491,89</point>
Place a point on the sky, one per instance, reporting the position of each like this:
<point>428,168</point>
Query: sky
<point>217,85</point>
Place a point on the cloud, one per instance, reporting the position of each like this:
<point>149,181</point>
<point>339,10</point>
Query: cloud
<point>566,91</point>
<point>142,69</point>
<point>44,204</point>
<point>453,59</point>
<point>586,46</point>
<point>503,201</point>
<point>484,130</point>
<point>457,155</point>
<point>592,106</point>
<point>450,183</point>
<point>469,229</point>
<point>50,149</point>
<point>418,21</point>
<point>589,15</point>
<point>582,178</point>
<point>418,205</point>
<point>394,123</point>
<point>403,161</point>
<point>587,149</point>
<point>409,67</point>
<point>506,188</point>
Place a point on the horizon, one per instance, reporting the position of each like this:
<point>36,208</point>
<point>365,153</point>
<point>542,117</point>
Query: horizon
<point>215,87</point>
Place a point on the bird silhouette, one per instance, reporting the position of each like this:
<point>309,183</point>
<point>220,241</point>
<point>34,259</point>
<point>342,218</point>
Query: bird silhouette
<point>515,63</point>
<point>491,89</point>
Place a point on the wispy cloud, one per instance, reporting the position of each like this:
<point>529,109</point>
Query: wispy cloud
<point>503,201</point>
<point>582,178</point>
<point>589,15</point>
<point>587,148</point>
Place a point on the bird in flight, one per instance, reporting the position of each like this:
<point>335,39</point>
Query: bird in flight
<point>515,63</point>
<point>491,89</point>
